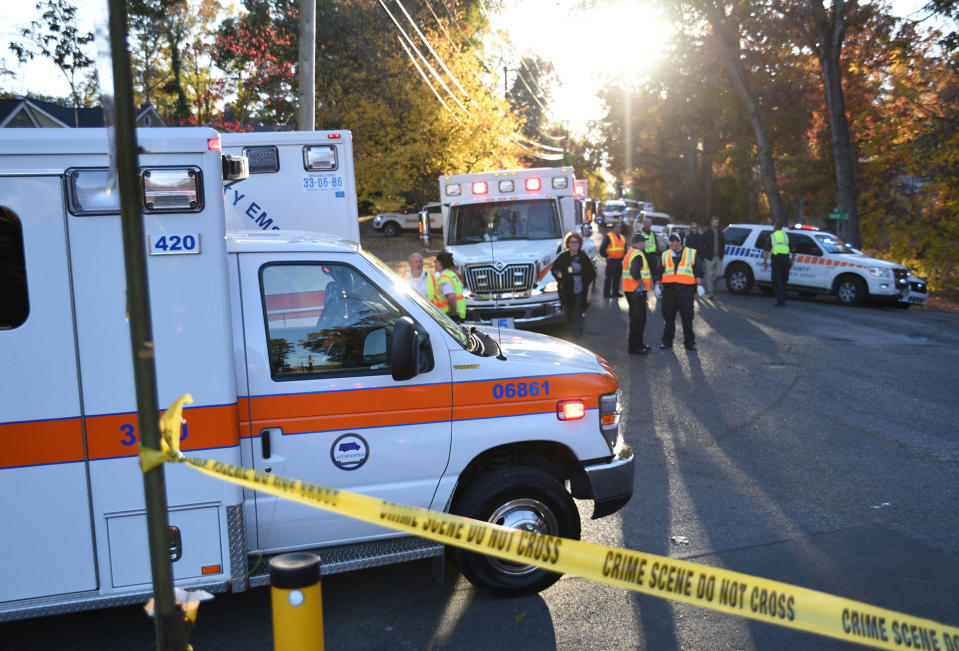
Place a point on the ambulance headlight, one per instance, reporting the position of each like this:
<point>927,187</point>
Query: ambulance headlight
<point>319,158</point>
<point>551,287</point>
<point>880,272</point>
<point>89,195</point>
<point>170,189</point>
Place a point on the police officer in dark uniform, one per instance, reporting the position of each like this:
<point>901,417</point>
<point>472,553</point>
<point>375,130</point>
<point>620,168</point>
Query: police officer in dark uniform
<point>636,281</point>
<point>679,278</point>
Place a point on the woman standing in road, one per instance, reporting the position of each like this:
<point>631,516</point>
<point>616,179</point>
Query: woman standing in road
<point>575,275</point>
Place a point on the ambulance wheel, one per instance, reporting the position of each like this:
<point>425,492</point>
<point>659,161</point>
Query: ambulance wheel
<point>851,290</point>
<point>391,229</point>
<point>522,498</point>
<point>739,278</point>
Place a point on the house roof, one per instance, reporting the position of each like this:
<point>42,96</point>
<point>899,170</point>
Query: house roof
<point>84,117</point>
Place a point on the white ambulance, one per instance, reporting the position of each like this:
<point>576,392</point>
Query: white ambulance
<point>306,356</point>
<point>504,230</point>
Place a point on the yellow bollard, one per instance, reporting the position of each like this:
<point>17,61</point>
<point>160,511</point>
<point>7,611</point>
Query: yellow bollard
<point>297,603</point>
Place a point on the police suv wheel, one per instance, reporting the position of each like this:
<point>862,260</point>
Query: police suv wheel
<point>851,290</point>
<point>739,278</point>
<point>391,229</point>
<point>522,498</point>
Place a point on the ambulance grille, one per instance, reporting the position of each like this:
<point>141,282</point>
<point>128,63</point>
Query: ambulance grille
<point>487,279</point>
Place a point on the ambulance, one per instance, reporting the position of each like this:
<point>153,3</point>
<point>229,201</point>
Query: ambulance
<point>299,180</point>
<point>307,358</point>
<point>504,230</point>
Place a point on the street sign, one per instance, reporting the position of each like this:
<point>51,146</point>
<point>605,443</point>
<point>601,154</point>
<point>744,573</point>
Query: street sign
<point>839,215</point>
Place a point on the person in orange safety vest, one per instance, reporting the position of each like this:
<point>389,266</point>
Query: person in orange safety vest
<point>613,248</point>
<point>678,279</point>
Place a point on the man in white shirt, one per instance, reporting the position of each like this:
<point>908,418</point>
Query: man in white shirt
<point>416,277</point>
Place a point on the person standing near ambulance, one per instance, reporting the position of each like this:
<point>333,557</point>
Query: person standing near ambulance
<point>651,248</point>
<point>613,248</point>
<point>636,282</point>
<point>680,277</point>
<point>778,250</point>
<point>575,275</point>
<point>419,279</point>
<point>451,299</point>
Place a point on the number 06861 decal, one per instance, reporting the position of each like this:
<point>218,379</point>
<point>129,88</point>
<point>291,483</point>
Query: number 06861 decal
<point>520,389</point>
<point>174,244</point>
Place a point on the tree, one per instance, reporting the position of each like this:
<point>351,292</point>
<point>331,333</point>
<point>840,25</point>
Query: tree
<point>823,31</point>
<point>726,37</point>
<point>56,36</point>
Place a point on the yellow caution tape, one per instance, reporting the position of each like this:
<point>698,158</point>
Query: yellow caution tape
<point>718,589</point>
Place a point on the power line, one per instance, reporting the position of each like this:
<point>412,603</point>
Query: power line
<point>426,79</point>
<point>432,51</point>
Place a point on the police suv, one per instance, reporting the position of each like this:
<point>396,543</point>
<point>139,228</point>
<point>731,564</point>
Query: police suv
<point>823,264</point>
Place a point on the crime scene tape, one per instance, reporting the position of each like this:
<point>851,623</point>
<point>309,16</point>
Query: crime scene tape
<point>718,589</point>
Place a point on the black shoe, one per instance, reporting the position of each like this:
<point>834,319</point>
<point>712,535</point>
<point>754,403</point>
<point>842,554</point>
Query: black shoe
<point>690,346</point>
<point>664,345</point>
<point>642,350</point>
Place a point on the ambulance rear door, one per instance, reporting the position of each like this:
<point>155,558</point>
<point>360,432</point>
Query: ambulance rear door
<point>47,544</point>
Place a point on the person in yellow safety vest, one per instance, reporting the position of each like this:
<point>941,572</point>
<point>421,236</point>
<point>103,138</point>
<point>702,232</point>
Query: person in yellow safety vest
<point>451,287</point>
<point>651,248</point>
<point>778,249</point>
<point>636,281</point>
<point>613,248</point>
<point>423,281</point>
<point>680,277</point>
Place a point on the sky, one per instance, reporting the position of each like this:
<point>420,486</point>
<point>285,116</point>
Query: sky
<point>587,47</point>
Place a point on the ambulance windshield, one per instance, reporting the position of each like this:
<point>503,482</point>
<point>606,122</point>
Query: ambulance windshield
<point>534,219</point>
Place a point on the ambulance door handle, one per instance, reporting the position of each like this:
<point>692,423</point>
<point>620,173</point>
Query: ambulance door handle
<point>265,439</point>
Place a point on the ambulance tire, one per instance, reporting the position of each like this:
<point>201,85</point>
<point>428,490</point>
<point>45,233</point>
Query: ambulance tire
<point>524,498</point>
<point>739,278</point>
<point>391,229</point>
<point>851,290</point>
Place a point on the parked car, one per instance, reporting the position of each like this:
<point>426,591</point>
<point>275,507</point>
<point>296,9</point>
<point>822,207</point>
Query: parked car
<point>392,223</point>
<point>823,264</point>
<point>660,221</point>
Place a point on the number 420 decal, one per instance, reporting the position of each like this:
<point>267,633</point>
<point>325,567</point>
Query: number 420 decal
<point>174,244</point>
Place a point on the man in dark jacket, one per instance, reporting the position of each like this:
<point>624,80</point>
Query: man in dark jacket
<point>694,239</point>
<point>711,251</point>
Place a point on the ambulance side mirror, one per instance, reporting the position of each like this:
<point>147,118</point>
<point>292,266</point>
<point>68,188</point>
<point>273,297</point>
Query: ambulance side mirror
<point>425,229</point>
<point>405,349</point>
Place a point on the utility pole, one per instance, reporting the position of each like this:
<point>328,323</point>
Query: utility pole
<point>168,619</point>
<point>628,132</point>
<point>306,65</point>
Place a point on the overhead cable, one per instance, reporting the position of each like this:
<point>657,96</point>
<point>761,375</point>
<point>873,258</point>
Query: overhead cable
<point>412,46</point>
<point>432,51</point>
<point>426,79</point>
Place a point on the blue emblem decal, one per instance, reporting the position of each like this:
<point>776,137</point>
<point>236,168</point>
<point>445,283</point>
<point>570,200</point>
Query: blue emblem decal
<point>349,451</point>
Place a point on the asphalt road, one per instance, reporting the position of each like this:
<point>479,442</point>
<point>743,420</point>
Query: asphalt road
<point>815,445</point>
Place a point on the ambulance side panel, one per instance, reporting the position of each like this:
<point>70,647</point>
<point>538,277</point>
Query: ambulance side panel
<point>48,545</point>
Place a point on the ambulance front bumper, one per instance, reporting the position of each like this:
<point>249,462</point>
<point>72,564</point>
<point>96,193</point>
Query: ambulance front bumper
<point>611,483</point>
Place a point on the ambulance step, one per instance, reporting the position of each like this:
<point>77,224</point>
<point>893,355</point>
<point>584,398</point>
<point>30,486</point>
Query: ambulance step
<point>359,556</point>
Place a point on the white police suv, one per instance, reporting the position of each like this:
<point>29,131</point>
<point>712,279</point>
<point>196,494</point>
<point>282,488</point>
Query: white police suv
<point>824,264</point>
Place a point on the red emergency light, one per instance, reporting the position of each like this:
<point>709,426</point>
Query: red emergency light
<point>570,409</point>
<point>333,136</point>
<point>580,190</point>
<point>480,187</point>
<point>213,144</point>
<point>533,184</point>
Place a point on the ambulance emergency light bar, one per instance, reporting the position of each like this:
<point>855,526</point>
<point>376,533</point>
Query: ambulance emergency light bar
<point>506,186</point>
<point>580,189</point>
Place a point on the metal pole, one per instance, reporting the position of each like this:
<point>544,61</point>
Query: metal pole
<point>306,65</point>
<point>169,623</point>
<point>297,602</point>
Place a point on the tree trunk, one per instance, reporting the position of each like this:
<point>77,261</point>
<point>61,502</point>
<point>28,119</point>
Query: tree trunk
<point>729,50</point>
<point>829,33</point>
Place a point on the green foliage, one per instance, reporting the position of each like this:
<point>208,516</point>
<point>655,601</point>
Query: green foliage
<point>56,36</point>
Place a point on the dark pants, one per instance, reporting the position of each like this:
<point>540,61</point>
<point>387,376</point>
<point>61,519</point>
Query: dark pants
<point>574,315</point>
<point>637,318</point>
<point>780,273</point>
<point>678,297</point>
<point>614,277</point>
<point>652,261</point>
